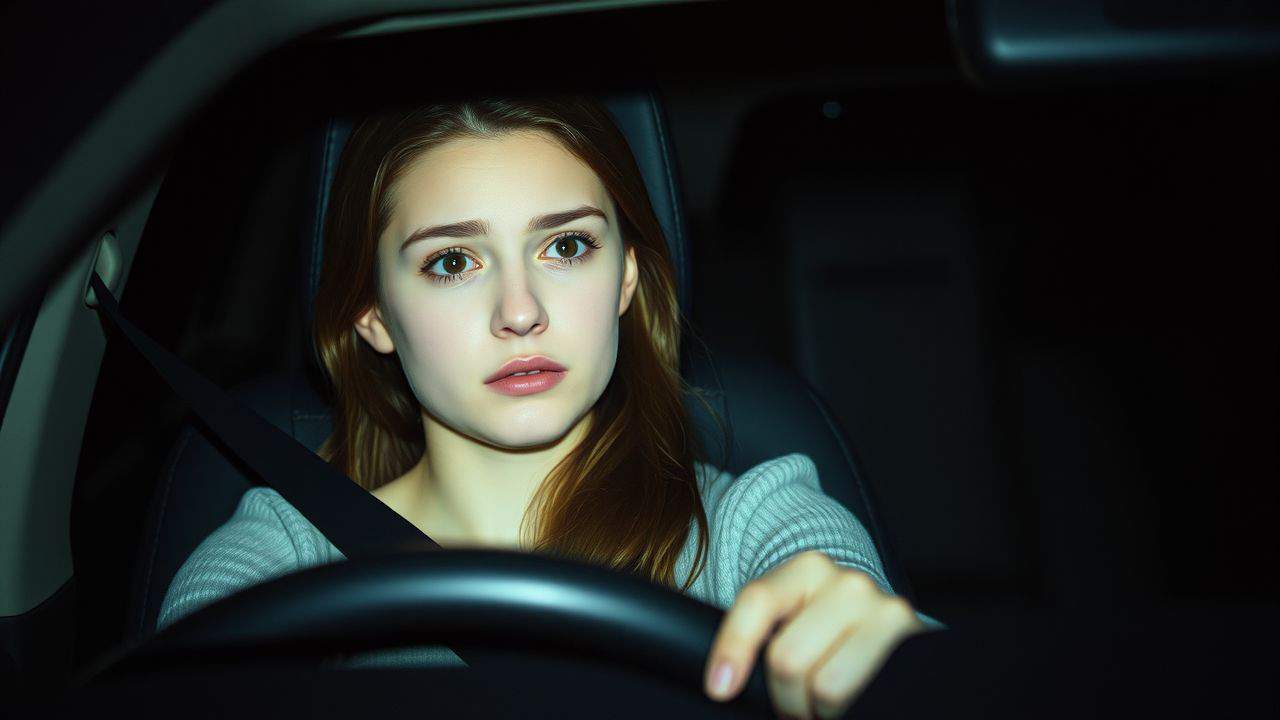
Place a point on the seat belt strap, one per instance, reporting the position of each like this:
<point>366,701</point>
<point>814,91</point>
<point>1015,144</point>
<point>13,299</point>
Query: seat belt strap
<point>355,521</point>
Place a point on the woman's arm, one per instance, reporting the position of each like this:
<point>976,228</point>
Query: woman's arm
<point>253,546</point>
<point>812,588</point>
<point>783,512</point>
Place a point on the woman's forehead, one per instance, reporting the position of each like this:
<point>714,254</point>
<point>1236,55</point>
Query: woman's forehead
<point>505,180</point>
<point>515,154</point>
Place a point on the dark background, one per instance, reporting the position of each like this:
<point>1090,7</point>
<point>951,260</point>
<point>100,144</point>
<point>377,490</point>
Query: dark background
<point>1046,318</point>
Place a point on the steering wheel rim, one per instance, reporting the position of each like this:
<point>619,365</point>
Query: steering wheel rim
<point>518,601</point>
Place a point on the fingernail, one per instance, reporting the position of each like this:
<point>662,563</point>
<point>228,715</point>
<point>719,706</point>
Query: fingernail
<point>721,677</point>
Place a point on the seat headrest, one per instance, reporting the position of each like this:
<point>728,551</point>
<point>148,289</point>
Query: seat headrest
<point>640,117</point>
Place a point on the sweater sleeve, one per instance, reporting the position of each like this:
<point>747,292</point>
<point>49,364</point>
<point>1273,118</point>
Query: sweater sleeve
<point>780,510</point>
<point>265,538</point>
<point>259,542</point>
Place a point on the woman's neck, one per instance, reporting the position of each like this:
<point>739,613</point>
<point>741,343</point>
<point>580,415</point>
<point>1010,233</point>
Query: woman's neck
<point>465,494</point>
<point>405,496</point>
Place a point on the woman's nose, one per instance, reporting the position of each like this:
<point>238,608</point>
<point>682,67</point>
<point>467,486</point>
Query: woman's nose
<point>519,310</point>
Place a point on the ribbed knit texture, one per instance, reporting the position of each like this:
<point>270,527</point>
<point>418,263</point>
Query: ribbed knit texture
<point>757,520</point>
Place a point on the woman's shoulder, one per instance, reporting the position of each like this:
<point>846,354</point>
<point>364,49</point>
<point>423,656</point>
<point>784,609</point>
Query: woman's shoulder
<point>265,530</point>
<point>756,482</point>
<point>265,537</point>
<point>264,510</point>
<point>265,502</point>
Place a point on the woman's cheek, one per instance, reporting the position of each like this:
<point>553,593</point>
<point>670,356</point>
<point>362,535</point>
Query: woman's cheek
<point>596,341</point>
<point>437,363</point>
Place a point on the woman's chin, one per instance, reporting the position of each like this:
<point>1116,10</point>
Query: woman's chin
<point>530,435</point>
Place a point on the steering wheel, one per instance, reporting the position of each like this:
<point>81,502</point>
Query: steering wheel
<point>526,603</point>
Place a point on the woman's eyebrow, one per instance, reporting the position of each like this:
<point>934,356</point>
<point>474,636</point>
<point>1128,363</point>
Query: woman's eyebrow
<point>471,228</point>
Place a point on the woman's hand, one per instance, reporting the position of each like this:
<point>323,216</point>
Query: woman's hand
<point>837,628</point>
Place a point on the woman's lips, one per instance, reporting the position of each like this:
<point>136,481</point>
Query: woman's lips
<point>527,384</point>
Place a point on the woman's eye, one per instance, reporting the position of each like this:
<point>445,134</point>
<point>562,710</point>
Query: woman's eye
<point>566,247</point>
<point>451,265</point>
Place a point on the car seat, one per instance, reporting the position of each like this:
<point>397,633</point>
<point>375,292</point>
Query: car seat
<point>201,482</point>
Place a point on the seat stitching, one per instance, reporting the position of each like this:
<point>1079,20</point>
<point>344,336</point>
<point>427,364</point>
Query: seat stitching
<point>878,536</point>
<point>293,403</point>
<point>323,191</point>
<point>671,186</point>
<point>155,540</point>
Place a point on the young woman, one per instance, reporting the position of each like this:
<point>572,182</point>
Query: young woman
<point>497,316</point>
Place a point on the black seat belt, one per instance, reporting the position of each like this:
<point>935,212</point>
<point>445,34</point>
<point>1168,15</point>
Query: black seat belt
<point>355,521</point>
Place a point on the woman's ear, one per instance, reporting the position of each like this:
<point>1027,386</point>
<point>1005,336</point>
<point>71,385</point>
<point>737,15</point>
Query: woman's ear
<point>630,276</point>
<point>374,331</point>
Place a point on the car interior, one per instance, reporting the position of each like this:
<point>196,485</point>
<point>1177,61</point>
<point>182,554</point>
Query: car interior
<point>1014,296</point>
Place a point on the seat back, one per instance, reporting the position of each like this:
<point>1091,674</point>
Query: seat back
<point>202,481</point>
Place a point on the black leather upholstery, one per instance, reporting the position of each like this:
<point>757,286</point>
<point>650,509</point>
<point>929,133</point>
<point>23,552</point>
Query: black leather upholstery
<point>202,482</point>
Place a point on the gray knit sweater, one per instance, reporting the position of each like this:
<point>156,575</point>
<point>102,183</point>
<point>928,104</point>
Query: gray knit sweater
<point>757,520</point>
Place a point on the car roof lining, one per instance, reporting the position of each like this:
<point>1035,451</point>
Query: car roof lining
<point>115,154</point>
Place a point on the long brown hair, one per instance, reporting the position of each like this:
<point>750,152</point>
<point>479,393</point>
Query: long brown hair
<point>626,496</point>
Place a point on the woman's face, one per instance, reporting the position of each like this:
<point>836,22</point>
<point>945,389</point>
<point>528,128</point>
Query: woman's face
<point>459,303</point>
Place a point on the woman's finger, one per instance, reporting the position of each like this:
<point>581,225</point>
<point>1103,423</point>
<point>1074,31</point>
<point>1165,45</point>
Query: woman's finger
<point>815,633</point>
<point>758,608</point>
<point>755,612</point>
<point>843,675</point>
